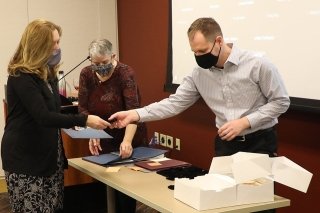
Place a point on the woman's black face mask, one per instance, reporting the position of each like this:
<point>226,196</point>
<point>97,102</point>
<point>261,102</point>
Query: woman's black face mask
<point>207,60</point>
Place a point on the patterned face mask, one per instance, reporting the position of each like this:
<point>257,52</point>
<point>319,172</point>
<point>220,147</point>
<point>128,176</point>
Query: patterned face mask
<point>102,70</point>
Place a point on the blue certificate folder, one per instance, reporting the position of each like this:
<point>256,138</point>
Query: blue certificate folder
<point>86,133</point>
<point>139,153</point>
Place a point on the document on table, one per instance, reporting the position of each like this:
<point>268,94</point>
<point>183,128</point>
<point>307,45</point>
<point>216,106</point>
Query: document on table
<point>154,165</point>
<point>86,133</point>
<point>139,153</point>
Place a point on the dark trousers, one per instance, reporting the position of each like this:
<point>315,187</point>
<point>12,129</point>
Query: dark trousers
<point>262,141</point>
<point>124,203</point>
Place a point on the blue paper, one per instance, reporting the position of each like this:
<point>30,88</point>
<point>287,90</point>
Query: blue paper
<point>86,133</point>
<point>139,153</point>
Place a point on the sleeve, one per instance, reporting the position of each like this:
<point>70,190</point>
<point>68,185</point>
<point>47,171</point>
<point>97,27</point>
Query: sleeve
<point>185,96</point>
<point>35,102</point>
<point>83,94</point>
<point>273,88</point>
<point>130,90</point>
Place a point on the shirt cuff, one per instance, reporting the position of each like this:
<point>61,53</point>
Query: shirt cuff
<point>143,114</point>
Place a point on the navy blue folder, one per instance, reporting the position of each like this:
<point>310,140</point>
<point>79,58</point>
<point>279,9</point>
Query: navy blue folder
<point>138,154</point>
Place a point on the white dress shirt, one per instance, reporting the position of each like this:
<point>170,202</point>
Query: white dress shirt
<point>248,85</point>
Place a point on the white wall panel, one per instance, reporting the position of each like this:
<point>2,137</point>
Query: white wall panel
<point>81,22</point>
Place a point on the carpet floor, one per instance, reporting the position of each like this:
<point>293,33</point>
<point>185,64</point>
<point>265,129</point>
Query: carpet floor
<point>4,203</point>
<point>86,198</point>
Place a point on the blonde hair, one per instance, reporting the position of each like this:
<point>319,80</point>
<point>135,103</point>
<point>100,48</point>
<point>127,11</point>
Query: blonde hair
<point>34,50</point>
<point>207,26</point>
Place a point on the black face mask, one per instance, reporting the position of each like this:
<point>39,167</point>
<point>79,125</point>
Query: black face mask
<point>207,60</point>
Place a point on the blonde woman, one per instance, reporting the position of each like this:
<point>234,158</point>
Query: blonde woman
<point>31,148</point>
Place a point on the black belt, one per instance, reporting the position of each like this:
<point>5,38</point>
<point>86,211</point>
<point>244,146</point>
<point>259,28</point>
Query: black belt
<point>253,134</point>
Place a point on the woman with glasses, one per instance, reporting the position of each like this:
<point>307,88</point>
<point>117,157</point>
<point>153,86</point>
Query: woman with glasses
<point>105,87</point>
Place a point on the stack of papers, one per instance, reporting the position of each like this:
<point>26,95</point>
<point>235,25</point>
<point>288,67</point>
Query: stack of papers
<point>138,154</point>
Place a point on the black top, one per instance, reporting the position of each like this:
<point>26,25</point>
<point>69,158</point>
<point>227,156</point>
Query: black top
<point>30,141</point>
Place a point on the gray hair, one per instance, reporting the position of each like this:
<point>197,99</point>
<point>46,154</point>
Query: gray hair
<point>100,47</point>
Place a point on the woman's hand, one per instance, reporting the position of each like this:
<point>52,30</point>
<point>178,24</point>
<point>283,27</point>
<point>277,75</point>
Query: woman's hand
<point>94,146</point>
<point>125,149</point>
<point>96,122</point>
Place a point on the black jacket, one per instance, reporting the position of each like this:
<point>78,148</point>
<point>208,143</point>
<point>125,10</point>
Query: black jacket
<point>30,141</point>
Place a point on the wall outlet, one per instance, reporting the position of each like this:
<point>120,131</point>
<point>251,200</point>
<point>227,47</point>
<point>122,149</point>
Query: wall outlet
<point>170,141</point>
<point>163,140</point>
<point>156,137</point>
<point>178,144</point>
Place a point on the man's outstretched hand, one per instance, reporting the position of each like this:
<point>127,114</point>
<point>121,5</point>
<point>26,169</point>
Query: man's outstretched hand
<point>123,118</point>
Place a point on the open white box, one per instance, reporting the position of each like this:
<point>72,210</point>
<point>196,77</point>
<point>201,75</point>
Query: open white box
<point>241,178</point>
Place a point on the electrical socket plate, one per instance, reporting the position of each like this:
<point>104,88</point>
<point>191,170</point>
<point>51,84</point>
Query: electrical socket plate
<point>163,140</point>
<point>170,141</point>
<point>156,137</point>
<point>178,145</point>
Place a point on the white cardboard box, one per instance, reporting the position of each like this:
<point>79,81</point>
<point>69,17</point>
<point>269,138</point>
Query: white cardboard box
<point>202,190</point>
<point>290,174</point>
<point>242,178</point>
<point>257,191</point>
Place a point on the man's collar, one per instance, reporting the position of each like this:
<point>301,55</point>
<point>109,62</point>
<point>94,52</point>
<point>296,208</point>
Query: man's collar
<point>234,56</point>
